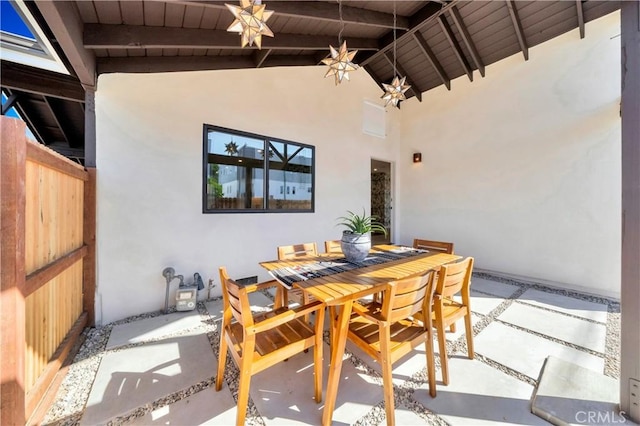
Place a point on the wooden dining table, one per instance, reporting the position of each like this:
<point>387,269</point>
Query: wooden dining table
<point>341,290</point>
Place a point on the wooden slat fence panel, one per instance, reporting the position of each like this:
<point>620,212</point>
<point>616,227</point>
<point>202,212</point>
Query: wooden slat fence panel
<point>51,312</point>
<point>48,235</point>
<point>53,215</point>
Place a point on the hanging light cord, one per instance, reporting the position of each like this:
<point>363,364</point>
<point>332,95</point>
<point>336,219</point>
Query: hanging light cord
<point>341,23</point>
<point>395,52</point>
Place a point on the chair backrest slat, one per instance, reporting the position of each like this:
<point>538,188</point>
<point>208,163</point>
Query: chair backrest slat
<point>408,296</point>
<point>454,277</point>
<point>235,297</point>
<point>297,250</point>
<point>430,245</point>
<point>333,246</point>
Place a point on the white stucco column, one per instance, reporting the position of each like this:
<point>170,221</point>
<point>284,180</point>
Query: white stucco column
<point>630,291</point>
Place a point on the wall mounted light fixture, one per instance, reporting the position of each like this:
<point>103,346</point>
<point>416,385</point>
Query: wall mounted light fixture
<point>417,157</point>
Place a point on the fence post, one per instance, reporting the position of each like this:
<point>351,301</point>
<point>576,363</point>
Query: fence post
<point>13,155</point>
<point>89,261</point>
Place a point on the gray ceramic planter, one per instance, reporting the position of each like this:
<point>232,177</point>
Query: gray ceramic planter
<point>355,246</point>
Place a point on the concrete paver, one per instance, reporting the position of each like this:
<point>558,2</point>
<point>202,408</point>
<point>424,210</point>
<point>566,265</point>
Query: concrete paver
<point>480,395</point>
<point>403,368</point>
<point>153,328</point>
<point>573,330</point>
<point>134,376</point>
<point>569,394</point>
<point>283,394</point>
<point>526,352</point>
<point>493,287</point>
<point>460,330</point>
<point>566,304</point>
<point>206,407</point>
<point>482,303</point>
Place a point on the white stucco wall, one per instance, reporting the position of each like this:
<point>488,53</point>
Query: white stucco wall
<point>149,160</point>
<point>521,169</point>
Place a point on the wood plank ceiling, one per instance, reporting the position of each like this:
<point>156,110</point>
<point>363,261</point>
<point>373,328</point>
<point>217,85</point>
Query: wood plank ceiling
<point>436,41</point>
<point>51,104</point>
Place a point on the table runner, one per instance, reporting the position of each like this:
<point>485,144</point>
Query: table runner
<point>320,268</point>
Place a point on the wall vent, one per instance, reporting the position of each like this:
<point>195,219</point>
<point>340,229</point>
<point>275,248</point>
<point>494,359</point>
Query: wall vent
<point>374,119</point>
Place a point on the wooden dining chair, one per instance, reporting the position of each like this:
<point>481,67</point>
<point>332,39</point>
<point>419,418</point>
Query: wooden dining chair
<point>258,341</point>
<point>297,250</point>
<point>333,247</point>
<point>438,247</point>
<point>430,245</point>
<point>387,331</point>
<point>291,252</point>
<point>452,279</point>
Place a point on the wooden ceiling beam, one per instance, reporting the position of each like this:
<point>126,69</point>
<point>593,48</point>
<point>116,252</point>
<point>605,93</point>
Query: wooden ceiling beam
<point>466,37</point>
<point>286,61</point>
<point>422,17</point>
<point>42,82</point>
<point>24,114</point>
<point>65,22</point>
<point>455,46</point>
<point>259,56</point>
<point>517,26</point>
<point>414,87</point>
<point>172,63</point>
<point>146,64</point>
<point>580,17</point>
<point>60,113</point>
<point>426,50</point>
<point>320,55</point>
<point>11,101</point>
<point>330,12</point>
<point>57,120</point>
<point>102,36</point>
<point>321,11</point>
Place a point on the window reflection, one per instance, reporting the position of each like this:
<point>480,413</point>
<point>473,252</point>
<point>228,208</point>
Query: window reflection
<point>236,166</point>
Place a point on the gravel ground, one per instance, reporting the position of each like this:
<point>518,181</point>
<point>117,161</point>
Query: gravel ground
<point>74,390</point>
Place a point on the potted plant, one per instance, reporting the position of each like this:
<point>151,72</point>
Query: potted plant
<point>356,239</point>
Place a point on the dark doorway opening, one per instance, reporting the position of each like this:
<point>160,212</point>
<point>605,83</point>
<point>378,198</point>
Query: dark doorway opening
<point>381,199</point>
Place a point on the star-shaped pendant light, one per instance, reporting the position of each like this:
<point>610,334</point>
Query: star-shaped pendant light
<point>340,63</point>
<point>250,22</point>
<point>231,148</point>
<point>394,92</point>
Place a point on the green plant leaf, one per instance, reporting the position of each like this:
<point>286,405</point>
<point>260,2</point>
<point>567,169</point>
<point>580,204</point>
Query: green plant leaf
<point>361,224</point>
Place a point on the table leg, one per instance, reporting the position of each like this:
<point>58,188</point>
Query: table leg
<point>338,343</point>
<point>281,298</point>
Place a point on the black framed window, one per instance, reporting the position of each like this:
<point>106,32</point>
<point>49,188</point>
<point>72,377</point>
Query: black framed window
<point>237,174</point>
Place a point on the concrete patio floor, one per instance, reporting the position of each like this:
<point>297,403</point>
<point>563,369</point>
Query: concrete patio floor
<point>161,369</point>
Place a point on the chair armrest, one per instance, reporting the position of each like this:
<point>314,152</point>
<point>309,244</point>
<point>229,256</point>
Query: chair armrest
<point>364,312</point>
<point>261,286</point>
<point>285,317</point>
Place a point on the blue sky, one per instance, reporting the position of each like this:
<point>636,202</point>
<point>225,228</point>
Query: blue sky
<point>11,22</point>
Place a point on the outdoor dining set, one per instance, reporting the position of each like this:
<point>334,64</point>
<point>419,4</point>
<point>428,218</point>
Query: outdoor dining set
<point>387,305</point>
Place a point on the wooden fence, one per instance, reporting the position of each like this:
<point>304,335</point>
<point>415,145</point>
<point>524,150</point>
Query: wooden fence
<point>47,267</point>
